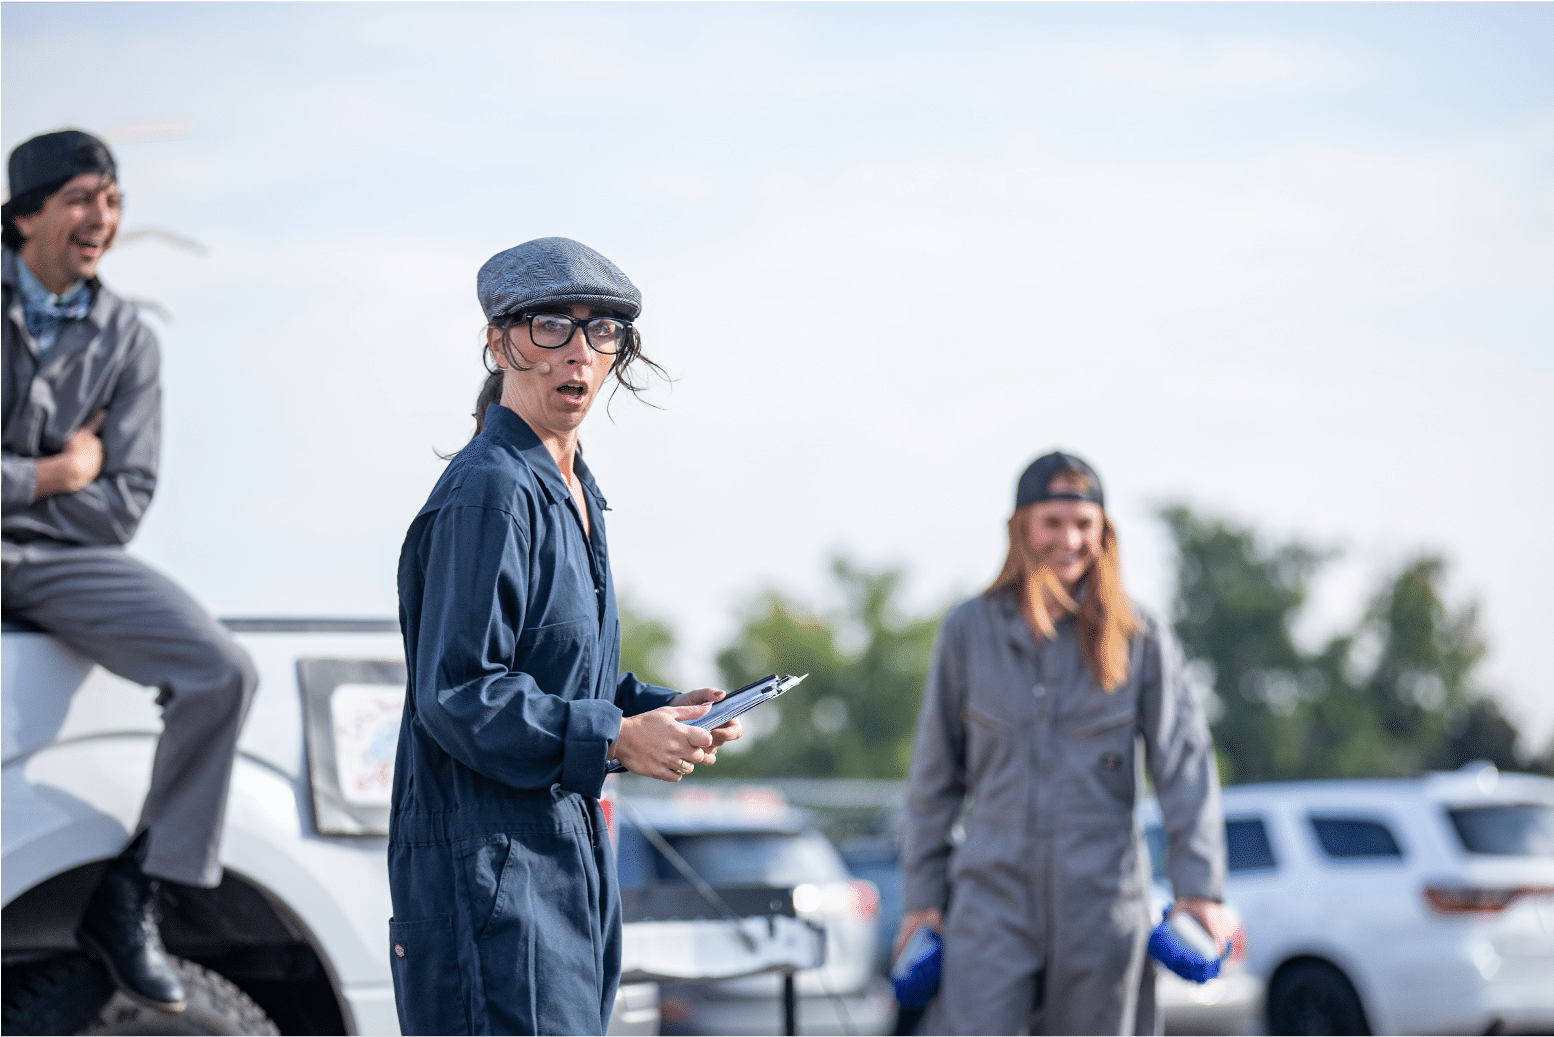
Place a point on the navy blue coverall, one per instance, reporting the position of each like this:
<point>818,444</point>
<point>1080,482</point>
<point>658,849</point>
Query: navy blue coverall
<point>506,907</point>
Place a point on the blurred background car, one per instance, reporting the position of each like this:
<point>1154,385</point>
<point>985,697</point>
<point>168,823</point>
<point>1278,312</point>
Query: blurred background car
<point>751,836</point>
<point>1396,906</point>
<point>876,858</point>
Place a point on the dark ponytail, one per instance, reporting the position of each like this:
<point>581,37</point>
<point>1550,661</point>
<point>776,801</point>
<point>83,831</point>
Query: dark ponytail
<point>490,392</point>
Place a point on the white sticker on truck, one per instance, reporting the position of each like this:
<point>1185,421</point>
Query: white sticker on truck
<point>366,729</point>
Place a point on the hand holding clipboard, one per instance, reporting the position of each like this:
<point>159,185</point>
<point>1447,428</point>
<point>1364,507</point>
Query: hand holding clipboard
<point>732,705</point>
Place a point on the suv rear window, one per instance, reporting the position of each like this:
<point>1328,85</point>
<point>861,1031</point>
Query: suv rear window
<point>1353,838</point>
<point>1510,829</point>
<point>1246,846</point>
<point>1155,840</point>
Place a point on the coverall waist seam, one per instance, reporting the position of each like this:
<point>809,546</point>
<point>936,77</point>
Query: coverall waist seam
<point>440,829</point>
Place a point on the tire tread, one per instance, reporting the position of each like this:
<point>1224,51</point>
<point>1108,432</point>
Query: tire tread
<point>72,994</point>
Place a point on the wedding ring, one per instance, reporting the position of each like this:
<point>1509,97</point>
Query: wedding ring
<point>686,767</point>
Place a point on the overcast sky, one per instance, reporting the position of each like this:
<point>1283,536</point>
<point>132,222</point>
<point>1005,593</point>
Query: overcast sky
<point>1290,263</point>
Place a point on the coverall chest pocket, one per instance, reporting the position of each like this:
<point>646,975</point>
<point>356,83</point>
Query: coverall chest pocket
<point>559,655</point>
<point>995,759</point>
<point>988,741</point>
<point>1104,748</point>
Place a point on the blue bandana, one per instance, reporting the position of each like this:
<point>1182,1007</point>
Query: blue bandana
<point>45,310</point>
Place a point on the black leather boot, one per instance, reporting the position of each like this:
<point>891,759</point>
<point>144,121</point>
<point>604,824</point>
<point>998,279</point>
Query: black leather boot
<point>119,928</point>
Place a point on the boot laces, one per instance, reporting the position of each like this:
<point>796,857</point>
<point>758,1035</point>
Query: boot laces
<point>151,916</point>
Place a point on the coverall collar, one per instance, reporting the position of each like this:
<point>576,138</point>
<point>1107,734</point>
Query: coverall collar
<point>1006,606</point>
<point>98,316</point>
<point>511,429</point>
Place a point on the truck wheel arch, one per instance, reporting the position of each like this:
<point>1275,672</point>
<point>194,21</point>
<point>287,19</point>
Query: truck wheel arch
<point>237,930</point>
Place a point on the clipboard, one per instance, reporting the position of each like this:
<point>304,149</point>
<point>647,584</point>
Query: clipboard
<point>732,705</point>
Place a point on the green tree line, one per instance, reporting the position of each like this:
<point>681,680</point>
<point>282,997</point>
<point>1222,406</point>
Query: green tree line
<point>1393,695</point>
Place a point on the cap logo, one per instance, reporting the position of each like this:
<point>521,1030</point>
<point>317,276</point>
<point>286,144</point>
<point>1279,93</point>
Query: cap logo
<point>1068,484</point>
<point>1058,476</point>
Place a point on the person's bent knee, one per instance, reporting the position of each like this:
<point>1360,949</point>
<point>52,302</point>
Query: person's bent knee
<point>241,666</point>
<point>225,671</point>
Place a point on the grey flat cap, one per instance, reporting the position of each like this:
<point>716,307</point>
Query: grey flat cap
<point>554,272</point>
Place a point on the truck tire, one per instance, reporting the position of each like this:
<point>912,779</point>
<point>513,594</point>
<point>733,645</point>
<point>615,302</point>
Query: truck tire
<point>1313,997</point>
<point>72,994</point>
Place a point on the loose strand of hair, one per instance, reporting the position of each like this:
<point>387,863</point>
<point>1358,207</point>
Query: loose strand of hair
<point>629,355</point>
<point>1040,586</point>
<point>1106,621</point>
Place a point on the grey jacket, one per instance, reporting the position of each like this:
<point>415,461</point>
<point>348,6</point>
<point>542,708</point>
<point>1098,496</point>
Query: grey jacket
<point>108,361</point>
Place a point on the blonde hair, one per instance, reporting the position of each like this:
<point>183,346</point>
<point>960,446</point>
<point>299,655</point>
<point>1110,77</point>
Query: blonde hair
<point>1104,620</point>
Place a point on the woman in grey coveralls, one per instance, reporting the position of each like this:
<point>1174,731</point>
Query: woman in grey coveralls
<point>506,908</point>
<point>1039,691</point>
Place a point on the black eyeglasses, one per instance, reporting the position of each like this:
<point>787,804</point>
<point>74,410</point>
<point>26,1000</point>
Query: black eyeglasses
<point>605,335</point>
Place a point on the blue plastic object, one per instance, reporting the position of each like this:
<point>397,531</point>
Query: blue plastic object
<point>1169,950</point>
<point>915,974</point>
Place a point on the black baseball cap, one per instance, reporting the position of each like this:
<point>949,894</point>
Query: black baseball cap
<point>53,158</point>
<point>1036,482</point>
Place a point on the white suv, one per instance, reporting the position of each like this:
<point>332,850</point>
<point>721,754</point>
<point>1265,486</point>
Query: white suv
<point>1398,906</point>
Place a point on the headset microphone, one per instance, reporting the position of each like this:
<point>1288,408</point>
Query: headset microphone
<point>542,368</point>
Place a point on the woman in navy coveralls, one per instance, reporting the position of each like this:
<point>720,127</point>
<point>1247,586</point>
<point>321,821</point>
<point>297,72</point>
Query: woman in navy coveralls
<point>506,909</point>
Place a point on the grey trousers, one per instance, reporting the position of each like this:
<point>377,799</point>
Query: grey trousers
<point>1103,983</point>
<point>1005,1018</point>
<point>129,618</point>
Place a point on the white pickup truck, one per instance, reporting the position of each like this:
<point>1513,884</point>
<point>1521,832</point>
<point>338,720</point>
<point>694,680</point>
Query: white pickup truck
<point>295,938</point>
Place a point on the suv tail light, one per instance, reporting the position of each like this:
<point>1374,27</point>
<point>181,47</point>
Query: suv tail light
<point>857,898</point>
<point>1238,945</point>
<point>607,804</point>
<point>1461,900</point>
<point>863,898</point>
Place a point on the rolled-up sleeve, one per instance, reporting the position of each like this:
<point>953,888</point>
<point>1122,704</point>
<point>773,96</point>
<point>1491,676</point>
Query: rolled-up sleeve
<point>109,509</point>
<point>936,786</point>
<point>1180,752</point>
<point>20,482</point>
<point>469,698</point>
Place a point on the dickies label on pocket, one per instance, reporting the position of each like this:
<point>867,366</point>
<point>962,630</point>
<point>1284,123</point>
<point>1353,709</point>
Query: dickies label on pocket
<point>428,988</point>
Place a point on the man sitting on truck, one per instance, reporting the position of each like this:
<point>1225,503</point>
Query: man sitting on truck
<point>82,427</point>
